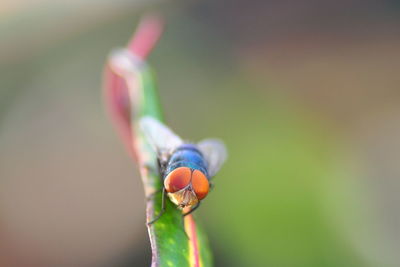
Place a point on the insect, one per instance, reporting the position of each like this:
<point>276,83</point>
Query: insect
<point>185,168</point>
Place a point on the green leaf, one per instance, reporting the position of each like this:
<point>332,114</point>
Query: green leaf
<point>131,94</point>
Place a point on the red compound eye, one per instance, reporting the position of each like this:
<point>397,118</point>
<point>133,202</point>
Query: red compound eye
<point>177,179</point>
<point>200,184</point>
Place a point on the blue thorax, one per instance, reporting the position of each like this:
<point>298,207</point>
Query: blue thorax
<point>187,155</point>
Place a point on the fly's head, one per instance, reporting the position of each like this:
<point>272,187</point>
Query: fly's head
<point>183,198</point>
<point>186,187</point>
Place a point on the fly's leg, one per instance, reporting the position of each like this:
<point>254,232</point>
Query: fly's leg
<point>160,172</point>
<point>151,168</point>
<point>160,168</point>
<point>212,185</point>
<point>162,209</point>
<point>192,209</point>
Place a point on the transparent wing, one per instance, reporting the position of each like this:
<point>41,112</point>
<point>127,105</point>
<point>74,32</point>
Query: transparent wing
<point>215,154</point>
<point>160,137</point>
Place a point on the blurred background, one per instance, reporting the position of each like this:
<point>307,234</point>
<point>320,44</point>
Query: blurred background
<point>305,94</point>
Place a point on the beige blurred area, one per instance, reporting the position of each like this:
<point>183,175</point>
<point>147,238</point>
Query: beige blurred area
<point>71,196</point>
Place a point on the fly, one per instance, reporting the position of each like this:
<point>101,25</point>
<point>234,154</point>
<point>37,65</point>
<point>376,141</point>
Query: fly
<point>185,168</point>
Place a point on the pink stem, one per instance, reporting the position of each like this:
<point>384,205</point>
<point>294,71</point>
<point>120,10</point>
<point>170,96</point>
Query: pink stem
<point>116,91</point>
<point>147,35</point>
